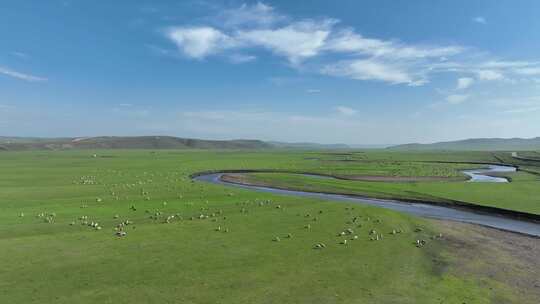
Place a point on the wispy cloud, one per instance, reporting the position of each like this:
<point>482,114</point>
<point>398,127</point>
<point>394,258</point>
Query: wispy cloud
<point>260,26</point>
<point>464,83</point>
<point>199,42</point>
<point>343,110</point>
<point>258,14</point>
<point>326,46</point>
<point>457,98</point>
<point>372,69</point>
<point>241,58</point>
<point>489,75</point>
<point>313,91</point>
<point>296,42</point>
<point>21,76</point>
<point>528,71</point>
<point>480,19</point>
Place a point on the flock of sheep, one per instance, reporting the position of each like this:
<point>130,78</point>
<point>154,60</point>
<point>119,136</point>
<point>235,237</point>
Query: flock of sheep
<point>345,237</point>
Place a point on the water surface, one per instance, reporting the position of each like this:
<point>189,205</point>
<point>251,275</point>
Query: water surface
<point>419,209</point>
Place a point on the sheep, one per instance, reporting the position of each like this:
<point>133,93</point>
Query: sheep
<point>319,246</point>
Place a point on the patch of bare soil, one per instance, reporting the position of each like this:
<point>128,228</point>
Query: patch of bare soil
<point>508,258</point>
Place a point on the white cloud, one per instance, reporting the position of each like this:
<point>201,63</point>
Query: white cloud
<point>19,75</point>
<point>199,42</point>
<point>457,98</point>
<point>296,41</point>
<point>464,83</point>
<point>258,14</point>
<point>241,58</point>
<point>324,46</point>
<point>370,69</point>
<point>480,20</point>
<point>349,41</point>
<point>346,111</point>
<point>489,75</point>
<point>313,91</point>
<point>495,64</point>
<point>532,71</point>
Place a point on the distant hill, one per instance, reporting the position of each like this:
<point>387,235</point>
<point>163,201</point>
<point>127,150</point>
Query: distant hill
<point>121,142</point>
<point>478,144</point>
<point>308,146</point>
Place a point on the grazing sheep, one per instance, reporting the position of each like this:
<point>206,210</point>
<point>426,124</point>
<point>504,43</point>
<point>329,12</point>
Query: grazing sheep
<point>420,243</point>
<point>319,246</point>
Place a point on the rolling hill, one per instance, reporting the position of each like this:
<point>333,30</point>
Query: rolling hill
<point>125,142</point>
<point>477,144</point>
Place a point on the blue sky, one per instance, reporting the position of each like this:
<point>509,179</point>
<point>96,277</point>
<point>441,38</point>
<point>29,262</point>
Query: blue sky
<point>356,72</point>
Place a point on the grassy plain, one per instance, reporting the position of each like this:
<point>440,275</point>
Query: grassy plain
<point>222,245</point>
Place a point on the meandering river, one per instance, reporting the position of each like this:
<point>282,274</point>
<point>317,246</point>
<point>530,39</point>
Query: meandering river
<point>419,209</point>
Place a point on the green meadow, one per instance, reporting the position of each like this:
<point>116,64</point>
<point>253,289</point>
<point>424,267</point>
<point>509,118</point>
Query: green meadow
<point>130,226</point>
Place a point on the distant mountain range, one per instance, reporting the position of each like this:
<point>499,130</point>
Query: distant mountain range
<point>125,142</point>
<point>170,142</point>
<point>308,146</point>
<point>477,144</point>
<point>147,142</point>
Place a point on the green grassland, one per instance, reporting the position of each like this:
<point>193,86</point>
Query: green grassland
<point>191,242</point>
<point>522,194</point>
